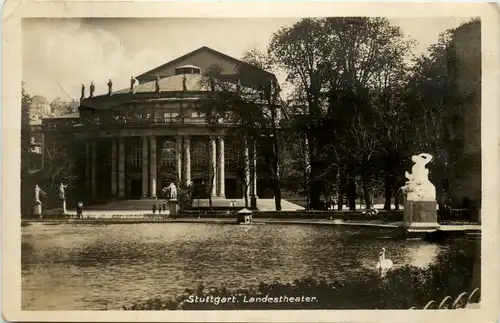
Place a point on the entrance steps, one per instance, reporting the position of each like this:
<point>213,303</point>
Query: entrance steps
<point>146,205</point>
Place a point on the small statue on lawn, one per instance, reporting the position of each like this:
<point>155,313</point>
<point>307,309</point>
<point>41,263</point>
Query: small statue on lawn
<point>39,192</point>
<point>62,195</point>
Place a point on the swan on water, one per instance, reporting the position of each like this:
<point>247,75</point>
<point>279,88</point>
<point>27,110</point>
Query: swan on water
<point>383,264</point>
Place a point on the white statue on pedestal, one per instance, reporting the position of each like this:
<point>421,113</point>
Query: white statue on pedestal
<point>38,190</point>
<point>62,193</point>
<point>62,196</point>
<point>173,191</point>
<point>418,186</point>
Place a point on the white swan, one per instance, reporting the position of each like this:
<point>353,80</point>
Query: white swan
<point>383,264</point>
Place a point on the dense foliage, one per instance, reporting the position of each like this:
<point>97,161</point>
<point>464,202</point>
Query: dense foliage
<point>360,105</point>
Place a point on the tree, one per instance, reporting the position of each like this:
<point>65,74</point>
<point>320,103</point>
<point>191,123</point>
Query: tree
<point>444,100</point>
<point>211,166</point>
<point>26,147</point>
<point>249,100</point>
<point>333,63</point>
<point>59,167</point>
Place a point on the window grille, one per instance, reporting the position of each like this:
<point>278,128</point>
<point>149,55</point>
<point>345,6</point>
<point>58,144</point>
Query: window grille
<point>168,154</point>
<point>232,154</point>
<point>136,154</point>
<point>200,153</point>
<point>108,156</point>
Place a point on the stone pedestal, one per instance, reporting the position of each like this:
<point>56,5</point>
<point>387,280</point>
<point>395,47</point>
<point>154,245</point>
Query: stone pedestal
<point>253,202</point>
<point>420,217</point>
<point>173,207</point>
<point>37,210</point>
<point>244,216</point>
<point>63,207</point>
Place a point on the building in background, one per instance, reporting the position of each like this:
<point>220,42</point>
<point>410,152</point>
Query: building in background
<point>40,108</point>
<point>133,142</point>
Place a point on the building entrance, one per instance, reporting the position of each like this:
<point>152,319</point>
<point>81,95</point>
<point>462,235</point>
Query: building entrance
<point>232,188</point>
<point>135,189</point>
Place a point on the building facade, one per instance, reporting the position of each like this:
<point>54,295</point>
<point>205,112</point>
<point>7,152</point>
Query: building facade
<point>134,142</point>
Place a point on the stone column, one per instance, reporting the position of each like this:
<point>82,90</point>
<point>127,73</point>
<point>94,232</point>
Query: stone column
<point>187,162</point>
<point>213,165</point>
<point>93,168</point>
<point>43,150</point>
<point>121,167</point>
<point>254,175</point>
<point>246,170</point>
<point>114,160</point>
<point>145,167</point>
<point>87,168</point>
<point>178,158</point>
<point>253,178</point>
<point>222,178</point>
<point>152,166</point>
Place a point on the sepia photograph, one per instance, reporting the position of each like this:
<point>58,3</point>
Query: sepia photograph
<point>311,162</point>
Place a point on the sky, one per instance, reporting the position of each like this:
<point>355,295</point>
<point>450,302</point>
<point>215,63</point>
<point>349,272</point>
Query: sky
<point>59,55</point>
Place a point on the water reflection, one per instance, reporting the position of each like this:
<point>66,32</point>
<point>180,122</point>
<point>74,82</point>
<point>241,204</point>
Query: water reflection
<point>422,256</point>
<point>77,267</point>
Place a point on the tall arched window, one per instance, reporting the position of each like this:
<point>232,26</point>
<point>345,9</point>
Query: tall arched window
<point>200,153</point>
<point>167,153</point>
<point>136,153</point>
<point>232,154</point>
<point>107,155</point>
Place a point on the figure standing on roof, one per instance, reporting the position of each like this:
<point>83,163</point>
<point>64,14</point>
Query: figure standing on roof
<point>157,84</point>
<point>82,96</point>
<point>110,87</point>
<point>132,84</point>
<point>184,87</point>
<point>92,89</point>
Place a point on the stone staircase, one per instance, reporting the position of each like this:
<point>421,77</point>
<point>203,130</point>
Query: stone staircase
<point>145,205</point>
<point>125,205</point>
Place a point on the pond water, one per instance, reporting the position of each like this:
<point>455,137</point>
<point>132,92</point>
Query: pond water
<point>98,267</point>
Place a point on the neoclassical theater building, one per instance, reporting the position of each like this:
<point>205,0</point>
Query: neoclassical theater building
<point>131,143</point>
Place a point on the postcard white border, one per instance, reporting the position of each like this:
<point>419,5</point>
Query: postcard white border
<point>14,11</point>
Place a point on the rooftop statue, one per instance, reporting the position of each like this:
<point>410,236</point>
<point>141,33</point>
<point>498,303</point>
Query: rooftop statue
<point>157,84</point>
<point>110,87</point>
<point>418,186</point>
<point>92,89</point>
<point>184,86</point>
<point>82,96</point>
<point>133,80</point>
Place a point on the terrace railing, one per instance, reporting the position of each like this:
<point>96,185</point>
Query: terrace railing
<point>121,122</point>
<point>448,303</point>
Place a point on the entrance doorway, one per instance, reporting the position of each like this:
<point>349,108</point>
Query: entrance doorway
<point>200,189</point>
<point>231,188</point>
<point>135,188</point>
